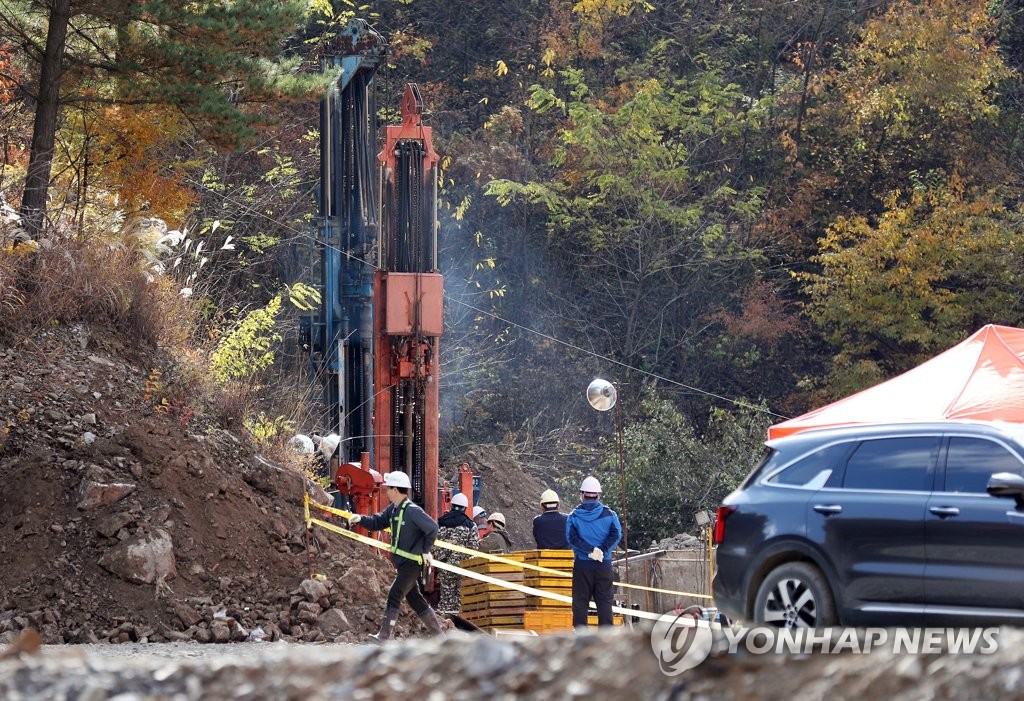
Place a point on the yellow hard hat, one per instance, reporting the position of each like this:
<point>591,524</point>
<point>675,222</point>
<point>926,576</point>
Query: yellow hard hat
<point>550,496</point>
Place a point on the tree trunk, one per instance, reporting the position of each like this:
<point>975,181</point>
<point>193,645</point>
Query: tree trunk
<point>37,180</point>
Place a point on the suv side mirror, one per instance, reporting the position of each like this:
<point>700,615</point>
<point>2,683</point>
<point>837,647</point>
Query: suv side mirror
<point>1006,484</point>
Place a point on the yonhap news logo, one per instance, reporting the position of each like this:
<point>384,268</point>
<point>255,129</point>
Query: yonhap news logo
<point>682,642</point>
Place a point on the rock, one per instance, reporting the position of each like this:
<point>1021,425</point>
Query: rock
<point>92,495</point>
<point>359,581</point>
<point>272,479</point>
<point>220,632</point>
<point>101,361</point>
<point>108,526</point>
<point>142,559</point>
<point>333,623</point>
<point>187,615</point>
<point>312,589</point>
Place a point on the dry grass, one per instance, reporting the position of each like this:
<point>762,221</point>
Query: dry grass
<point>97,283</point>
<point>105,285</point>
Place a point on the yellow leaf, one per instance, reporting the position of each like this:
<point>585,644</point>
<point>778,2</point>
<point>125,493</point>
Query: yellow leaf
<point>501,68</point>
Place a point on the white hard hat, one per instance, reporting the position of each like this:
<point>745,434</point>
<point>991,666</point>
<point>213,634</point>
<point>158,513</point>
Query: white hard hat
<point>590,486</point>
<point>397,479</point>
<point>301,444</point>
<point>550,496</point>
<point>477,510</point>
<point>328,444</point>
<point>460,500</point>
<point>497,517</point>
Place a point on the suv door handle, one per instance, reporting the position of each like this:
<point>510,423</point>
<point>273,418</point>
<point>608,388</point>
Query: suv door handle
<point>944,511</point>
<point>828,509</point>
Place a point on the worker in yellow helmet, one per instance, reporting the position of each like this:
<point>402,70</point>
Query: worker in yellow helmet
<point>549,526</point>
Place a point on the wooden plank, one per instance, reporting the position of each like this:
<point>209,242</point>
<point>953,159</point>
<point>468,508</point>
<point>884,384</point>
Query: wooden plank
<point>547,621</point>
<point>502,620</point>
<point>548,583</point>
<point>470,563</point>
<point>493,605</point>
<point>546,552</point>
<point>495,568</point>
<point>496,597</point>
<point>483,587</point>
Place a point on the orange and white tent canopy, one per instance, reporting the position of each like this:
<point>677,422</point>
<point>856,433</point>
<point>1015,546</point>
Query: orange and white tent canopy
<point>981,378</point>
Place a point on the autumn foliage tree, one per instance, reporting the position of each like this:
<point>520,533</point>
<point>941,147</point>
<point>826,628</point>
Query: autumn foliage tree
<point>906,213</point>
<point>204,60</point>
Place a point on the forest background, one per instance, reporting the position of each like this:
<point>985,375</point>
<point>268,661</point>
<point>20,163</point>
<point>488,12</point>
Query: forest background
<point>736,211</point>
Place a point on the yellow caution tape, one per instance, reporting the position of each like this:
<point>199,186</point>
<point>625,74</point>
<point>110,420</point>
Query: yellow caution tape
<point>558,573</point>
<point>495,558</point>
<point>368,540</point>
<point>483,577</point>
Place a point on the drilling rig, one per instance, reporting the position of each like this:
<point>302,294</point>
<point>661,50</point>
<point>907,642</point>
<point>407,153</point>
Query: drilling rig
<point>374,341</point>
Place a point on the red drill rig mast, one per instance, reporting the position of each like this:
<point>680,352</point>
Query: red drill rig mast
<point>408,298</point>
<point>374,342</point>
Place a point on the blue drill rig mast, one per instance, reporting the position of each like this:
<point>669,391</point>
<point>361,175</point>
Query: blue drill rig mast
<point>374,342</point>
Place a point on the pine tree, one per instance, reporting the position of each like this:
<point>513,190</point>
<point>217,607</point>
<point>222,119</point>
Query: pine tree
<point>207,59</point>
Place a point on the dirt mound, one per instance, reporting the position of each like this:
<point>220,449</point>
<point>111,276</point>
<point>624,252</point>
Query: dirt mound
<point>121,519</point>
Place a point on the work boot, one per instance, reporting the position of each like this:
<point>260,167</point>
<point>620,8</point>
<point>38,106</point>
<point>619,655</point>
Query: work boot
<point>429,619</point>
<point>388,625</point>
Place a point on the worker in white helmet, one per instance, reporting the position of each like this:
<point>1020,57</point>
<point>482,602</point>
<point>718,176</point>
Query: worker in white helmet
<point>593,530</point>
<point>412,535</point>
<point>455,526</point>
<point>549,526</point>
<point>497,540</point>
<point>480,519</point>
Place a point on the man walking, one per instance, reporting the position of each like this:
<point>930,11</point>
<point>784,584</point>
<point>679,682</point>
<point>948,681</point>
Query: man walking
<point>593,530</point>
<point>412,535</point>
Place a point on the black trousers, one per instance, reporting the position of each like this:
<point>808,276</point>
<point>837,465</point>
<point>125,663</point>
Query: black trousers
<point>406,586</point>
<point>591,580</point>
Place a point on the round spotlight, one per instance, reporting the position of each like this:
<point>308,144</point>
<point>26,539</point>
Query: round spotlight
<point>601,394</point>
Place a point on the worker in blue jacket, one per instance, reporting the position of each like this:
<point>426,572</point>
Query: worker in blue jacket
<point>593,530</point>
<point>412,535</point>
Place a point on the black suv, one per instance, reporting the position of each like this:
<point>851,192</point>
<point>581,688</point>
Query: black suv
<point>901,524</point>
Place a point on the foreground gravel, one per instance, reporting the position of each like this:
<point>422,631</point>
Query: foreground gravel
<point>593,667</point>
<point>461,667</point>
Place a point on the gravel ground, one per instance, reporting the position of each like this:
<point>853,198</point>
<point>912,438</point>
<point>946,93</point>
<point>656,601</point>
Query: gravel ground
<point>460,667</point>
<point>595,667</point>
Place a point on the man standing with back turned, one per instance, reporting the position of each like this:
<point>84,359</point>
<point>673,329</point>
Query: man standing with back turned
<point>412,535</point>
<point>549,526</point>
<point>593,530</point>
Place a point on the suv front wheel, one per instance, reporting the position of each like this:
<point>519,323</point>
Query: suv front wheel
<point>795,595</point>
